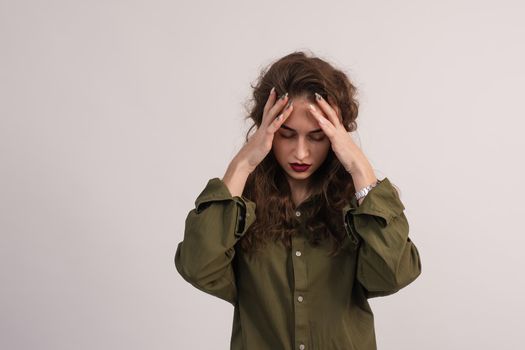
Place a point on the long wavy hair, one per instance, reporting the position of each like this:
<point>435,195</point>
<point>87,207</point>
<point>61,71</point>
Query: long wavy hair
<point>300,74</point>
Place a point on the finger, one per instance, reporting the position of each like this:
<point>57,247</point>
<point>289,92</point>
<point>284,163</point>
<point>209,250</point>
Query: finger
<point>279,120</point>
<point>325,124</point>
<point>270,101</point>
<point>276,109</point>
<point>328,110</point>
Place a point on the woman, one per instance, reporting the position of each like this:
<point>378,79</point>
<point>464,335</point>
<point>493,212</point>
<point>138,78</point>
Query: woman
<point>299,232</point>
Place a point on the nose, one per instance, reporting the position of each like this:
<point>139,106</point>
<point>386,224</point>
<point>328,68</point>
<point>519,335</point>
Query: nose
<point>301,149</point>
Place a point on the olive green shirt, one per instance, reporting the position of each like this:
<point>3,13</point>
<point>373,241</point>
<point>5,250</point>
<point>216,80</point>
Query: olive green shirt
<point>300,298</point>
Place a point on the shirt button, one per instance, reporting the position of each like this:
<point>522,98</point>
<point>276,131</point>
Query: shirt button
<point>298,252</point>
<point>297,213</point>
<point>301,346</point>
<point>300,298</point>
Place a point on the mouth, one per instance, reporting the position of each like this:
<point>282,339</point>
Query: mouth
<point>299,167</point>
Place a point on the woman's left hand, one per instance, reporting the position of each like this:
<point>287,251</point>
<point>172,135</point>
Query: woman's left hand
<point>348,153</point>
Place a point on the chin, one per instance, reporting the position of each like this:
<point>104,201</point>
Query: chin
<point>299,176</point>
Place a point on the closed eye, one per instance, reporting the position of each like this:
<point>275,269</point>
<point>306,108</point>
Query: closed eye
<point>318,138</point>
<point>287,135</point>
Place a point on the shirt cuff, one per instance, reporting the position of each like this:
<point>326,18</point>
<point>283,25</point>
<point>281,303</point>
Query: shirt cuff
<point>215,191</point>
<point>381,201</point>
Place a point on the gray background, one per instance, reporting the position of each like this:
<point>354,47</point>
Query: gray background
<point>114,114</point>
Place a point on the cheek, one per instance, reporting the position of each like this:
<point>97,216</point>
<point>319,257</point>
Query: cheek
<point>278,148</point>
<point>322,150</point>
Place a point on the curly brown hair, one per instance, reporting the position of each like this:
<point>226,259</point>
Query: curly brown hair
<point>301,75</point>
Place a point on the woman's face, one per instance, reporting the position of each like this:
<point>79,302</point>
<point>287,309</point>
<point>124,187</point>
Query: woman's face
<point>300,140</point>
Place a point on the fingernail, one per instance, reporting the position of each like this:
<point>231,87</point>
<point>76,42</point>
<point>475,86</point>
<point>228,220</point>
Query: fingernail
<point>317,96</point>
<point>283,96</point>
<point>311,107</point>
<point>272,90</point>
<point>288,104</point>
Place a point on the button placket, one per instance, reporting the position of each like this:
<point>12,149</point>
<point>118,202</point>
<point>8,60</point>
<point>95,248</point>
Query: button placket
<point>300,291</point>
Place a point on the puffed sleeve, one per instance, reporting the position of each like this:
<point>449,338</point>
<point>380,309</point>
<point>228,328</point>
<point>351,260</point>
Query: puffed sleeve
<point>204,256</point>
<point>388,260</point>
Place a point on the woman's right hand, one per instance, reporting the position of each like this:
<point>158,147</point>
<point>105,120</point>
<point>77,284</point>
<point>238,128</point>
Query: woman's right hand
<point>260,143</point>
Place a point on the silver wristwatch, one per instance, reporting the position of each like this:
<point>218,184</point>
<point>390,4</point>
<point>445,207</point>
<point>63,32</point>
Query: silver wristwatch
<point>363,192</point>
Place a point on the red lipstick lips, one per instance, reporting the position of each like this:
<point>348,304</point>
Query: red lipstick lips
<point>299,167</point>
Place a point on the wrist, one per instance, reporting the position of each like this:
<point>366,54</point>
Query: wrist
<point>240,165</point>
<point>363,177</point>
<point>235,178</point>
<point>363,171</point>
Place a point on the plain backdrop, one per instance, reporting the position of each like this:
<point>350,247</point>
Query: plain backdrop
<point>114,115</point>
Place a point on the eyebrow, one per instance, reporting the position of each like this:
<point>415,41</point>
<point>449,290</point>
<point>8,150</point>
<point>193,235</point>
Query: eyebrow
<point>311,132</point>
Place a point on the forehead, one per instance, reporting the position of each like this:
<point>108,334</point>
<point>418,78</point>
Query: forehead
<point>301,119</point>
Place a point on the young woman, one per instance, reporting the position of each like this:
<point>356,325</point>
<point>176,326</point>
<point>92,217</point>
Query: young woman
<point>299,232</point>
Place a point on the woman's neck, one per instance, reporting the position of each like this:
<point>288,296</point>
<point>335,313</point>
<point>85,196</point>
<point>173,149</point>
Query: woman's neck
<point>300,191</point>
